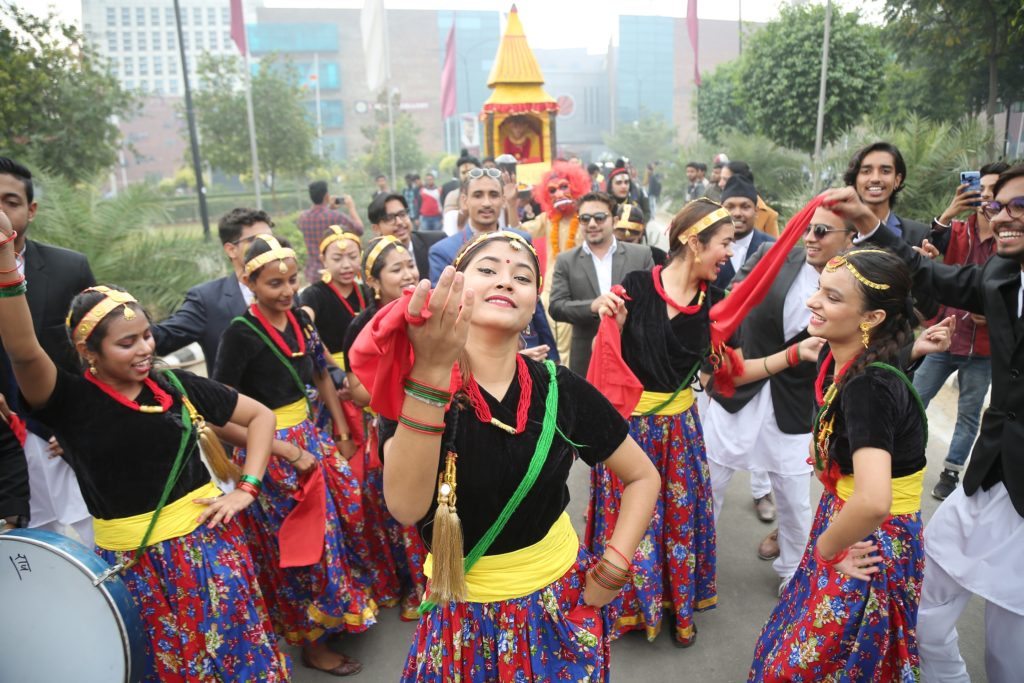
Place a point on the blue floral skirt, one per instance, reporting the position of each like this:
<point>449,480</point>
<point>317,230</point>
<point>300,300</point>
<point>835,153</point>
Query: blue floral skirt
<point>202,609</point>
<point>548,635</point>
<point>830,627</point>
<point>674,565</point>
<point>308,603</point>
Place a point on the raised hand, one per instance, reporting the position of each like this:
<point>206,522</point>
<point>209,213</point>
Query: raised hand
<point>964,201</point>
<point>809,349</point>
<point>936,338</point>
<point>438,328</point>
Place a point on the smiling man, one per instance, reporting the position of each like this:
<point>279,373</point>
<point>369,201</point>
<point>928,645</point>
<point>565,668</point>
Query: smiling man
<point>766,425</point>
<point>974,543</point>
<point>739,197</point>
<point>584,273</point>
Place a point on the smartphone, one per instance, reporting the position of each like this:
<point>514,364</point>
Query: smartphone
<point>972,179</point>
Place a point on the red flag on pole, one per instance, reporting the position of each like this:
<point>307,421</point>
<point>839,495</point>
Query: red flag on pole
<point>238,27</point>
<point>448,76</point>
<point>691,28</point>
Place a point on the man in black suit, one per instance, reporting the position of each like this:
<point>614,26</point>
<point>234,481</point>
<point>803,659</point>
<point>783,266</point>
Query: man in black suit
<point>766,425</point>
<point>389,215</point>
<point>974,543</point>
<point>739,197</point>
<point>208,308</point>
<point>53,276</point>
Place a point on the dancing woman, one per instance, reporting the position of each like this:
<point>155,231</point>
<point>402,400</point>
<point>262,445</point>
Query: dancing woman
<point>135,433</point>
<point>388,268</point>
<point>524,603</point>
<point>313,575</point>
<point>850,611</point>
<point>665,325</point>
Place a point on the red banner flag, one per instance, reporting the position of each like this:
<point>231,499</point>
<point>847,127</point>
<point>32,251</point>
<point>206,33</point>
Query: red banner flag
<point>448,75</point>
<point>691,28</point>
<point>238,26</point>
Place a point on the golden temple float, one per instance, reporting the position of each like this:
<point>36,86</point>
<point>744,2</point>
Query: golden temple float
<point>519,116</point>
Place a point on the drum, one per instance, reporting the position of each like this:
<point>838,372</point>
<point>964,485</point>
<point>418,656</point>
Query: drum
<point>67,615</point>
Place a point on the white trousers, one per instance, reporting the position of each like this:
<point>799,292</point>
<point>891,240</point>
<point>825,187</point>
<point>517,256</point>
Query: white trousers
<point>760,484</point>
<point>55,500</point>
<point>793,510</point>
<point>942,602</point>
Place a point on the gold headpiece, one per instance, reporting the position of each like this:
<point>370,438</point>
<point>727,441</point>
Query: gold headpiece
<point>112,298</point>
<point>380,244</point>
<point>515,240</point>
<point>624,222</point>
<point>704,223</point>
<point>338,235</point>
<point>837,262</point>
<point>276,253</point>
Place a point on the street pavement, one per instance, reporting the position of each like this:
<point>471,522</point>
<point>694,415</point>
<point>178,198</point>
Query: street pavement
<point>746,594</point>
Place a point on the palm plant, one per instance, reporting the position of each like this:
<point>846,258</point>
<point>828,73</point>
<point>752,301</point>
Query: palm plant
<point>117,234</point>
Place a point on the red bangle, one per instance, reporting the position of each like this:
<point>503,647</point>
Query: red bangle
<point>618,552</point>
<point>12,283</point>
<point>834,561</point>
<point>10,238</point>
<point>248,488</point>
<point>793,355</point>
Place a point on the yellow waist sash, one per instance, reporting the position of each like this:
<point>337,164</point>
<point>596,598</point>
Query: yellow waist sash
<point>176,519</point>
<point>512,575</point>
<point>339,358</point>
<point>649,400</point>
<point>906,492</point>
<point>291,415</point>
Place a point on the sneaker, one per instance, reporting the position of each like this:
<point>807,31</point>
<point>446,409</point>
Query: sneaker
<point>948,480</point>
<point>765,508</point>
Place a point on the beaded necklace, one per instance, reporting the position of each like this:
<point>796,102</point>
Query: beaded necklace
<point>825,422</point>
<point>276,336</point>
<point>162,397</point>
<point>686,310</point>
<point>483,411</point>
<point>344,300</point>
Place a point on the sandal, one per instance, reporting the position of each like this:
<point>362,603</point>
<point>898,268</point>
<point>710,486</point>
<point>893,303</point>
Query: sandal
<point>348,666</point>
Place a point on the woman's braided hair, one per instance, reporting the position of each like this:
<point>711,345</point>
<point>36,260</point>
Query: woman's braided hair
<point>882,267</point>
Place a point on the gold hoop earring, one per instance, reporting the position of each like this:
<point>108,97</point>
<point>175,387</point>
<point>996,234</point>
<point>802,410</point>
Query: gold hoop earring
<point>865,334</point>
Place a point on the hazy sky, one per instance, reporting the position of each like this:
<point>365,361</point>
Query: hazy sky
<point>548,23</point>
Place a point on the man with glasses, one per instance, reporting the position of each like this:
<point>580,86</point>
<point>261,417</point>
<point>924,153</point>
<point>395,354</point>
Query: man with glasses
<point>766,425</point>
<point>974,543</point>
<point>389,215</point>
<point>962,242</point>
<point>584,273</point>
<point>208,308</point>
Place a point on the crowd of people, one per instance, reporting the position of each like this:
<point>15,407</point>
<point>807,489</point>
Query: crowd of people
<point>394,425</point>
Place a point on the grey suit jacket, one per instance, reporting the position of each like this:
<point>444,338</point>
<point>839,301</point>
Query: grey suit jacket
<point>574,287</point>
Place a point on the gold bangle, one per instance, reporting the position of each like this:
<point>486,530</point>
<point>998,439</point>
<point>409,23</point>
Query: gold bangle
<point>343,437</point>
<point>766,370</point>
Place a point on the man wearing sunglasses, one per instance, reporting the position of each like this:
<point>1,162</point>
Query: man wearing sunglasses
<point>766,425</point>
<point>208,308</point>
<point>974,543</point>
<point>584,273</point>
<point>962,242</point>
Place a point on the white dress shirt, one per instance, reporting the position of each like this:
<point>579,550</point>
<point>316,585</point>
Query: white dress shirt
<point>739,251</point>
<point>603,266</point>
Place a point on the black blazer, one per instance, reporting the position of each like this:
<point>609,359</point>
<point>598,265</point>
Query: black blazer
<point>54,276</point>
<point>762,335</point>
<point>203,316</point>
<point>422,240</point>
<point>990,290</point>
<point>728,272</point>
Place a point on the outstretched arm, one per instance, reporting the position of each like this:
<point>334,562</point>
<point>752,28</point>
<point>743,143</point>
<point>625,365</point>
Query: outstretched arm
<point>35,372</point>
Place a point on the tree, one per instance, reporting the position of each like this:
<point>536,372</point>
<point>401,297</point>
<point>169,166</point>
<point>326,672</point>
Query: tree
<point>409,156</point>
<point>649,139</point>
<point>780,73</point>
<point>57,101</point>
<point>978,44</point>
<point>720,106</point>
<point>284,133</point>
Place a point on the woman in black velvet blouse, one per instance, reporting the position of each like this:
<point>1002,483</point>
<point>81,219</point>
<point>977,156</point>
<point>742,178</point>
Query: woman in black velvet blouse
<point>528,606</point>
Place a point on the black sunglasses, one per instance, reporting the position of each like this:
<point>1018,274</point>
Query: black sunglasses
<point>585,218</point>
<point>632,232</point>
<point>821,229</point>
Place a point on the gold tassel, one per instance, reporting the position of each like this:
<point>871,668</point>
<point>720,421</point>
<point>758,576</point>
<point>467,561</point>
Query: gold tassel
<point>223,467</point>
<point>449,580</point>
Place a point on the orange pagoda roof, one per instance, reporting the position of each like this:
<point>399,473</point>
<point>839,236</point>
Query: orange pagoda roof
<point>516,77</point>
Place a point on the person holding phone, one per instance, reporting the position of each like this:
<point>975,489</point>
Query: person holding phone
<point>962,242</point>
